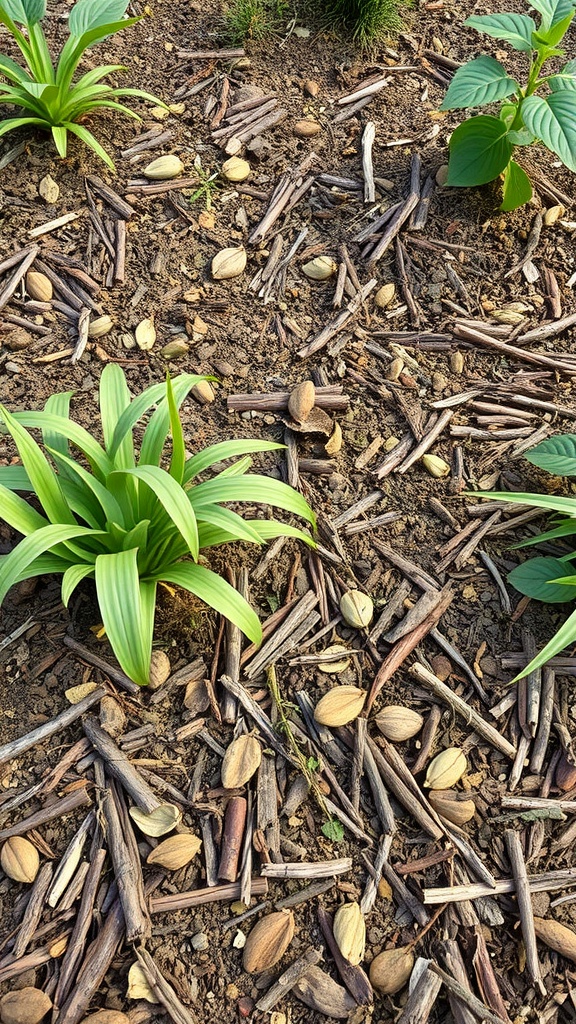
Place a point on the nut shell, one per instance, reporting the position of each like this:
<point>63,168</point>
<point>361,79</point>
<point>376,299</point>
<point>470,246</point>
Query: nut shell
<point>24,1006</point>
<point>229,263</point>
<point>446,769</point>
<point>236,169</point>
<point>38,286</point>
<point>20,859</point>
<point>241,760</point>
<point>164,168</point>
<point>301,401</point>
<point>268,941</point>
<point>557,936</point>
<point>339,706</point>
<point>176,851</point>
<point>350,932</point>
<point>398,723</point>
<point>306,128</point>
<point>390,970</point>
<point>356,609</point>
<point>435,466</point>
<point>100,326</point>
<point>320,268</point>
<point>565,777</point>
<point>320,992</point>
<point>448,804</point>
<point>107,1017</point>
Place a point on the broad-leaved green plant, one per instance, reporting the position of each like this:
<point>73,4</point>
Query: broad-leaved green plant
<point>124,520</point>
<point>547,578</point>
<point>482,147</point>
<point>45,90</point>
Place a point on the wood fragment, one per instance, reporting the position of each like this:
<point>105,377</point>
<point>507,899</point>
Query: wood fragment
<point>26,258</point>
<point>479,1009</point>
<point>338,323</point>
<point>118,765</point>
<point>19,746</point>
<point>368,136</point>
<point>421,999</point>
<point>522,887</point>
<point>162,989</point>
<point>65,805</point>
<point>288,979</point>
<point>33,912</point>
<point>200,897</point>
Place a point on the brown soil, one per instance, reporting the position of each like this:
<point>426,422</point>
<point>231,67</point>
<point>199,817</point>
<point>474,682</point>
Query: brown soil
<point>169,254</point>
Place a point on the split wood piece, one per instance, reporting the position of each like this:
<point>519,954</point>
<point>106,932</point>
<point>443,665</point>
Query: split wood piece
<point>537,803</point>
<point>162,989</point>
<point>16,747</point>
<point>402,259</point>
<point>285,189</point>
<point>285,632</point>
<point>259,126</point>
<point>461,556</point>
<point>427,737</point>
<point>339,322</point>
<point>369,89</point>
<point>395,456</point>
<point>199,897</point>
<point>74,268</point>
<point>486,976</point>
<point>234,822</point>
<point>408,568</point>
<point>371,888</point>
<point>421,1000</point>
<point>415,615</point>
<point>148,140</point>
<point>454,963</point>
<point>427,442</point>
<point>26,258</point>
<point>461,707</point>
<point>312,869</point>
<point>120,258</point>
<point>31,961</point>
<point>406,645</point>
<point>522,887</point>
<point>354,978</point>
<point>529,688</point>
<point>549,881</point>
<point>370,231</point>
<point>160,187</point>
<point>478,1008</point>
<point>188,674</point>
<point>77,945</point>
<point>247,856</point>
<point>119,205</point>
<point>115,674</point>
<point>241,120</point>
<point>419,216</point>
<point>17,257</point>
<point>368,136</point>
<point>267,820</point>
<point>553,296</point>
<point>95,965</point>
<point>513,352</point>
<point>52,225</point>
<point>531,246</point>
<point>98,223</point>
<point>404,896</point>
<point>352,110</point>
<point>233,651</point>
<point>288,979</point>
<point>404,795</point>
<point>118,765</point>
<point>262,721</point>
<point>540,748</point>
<point>28,325</point>
<point>331,398</point>
<point>210,853</point>
<point>127,867</point>
<point>82,328</point>
<point>225,54</point>
<point>413,867</point>
<point>65,805</point>
<point>459,839</point>
<point>70,860</point>
<point>305,894</point>
<point>358,762</point>
<point>33,912</point>
<point>394,226</point>
<point>550,330</point>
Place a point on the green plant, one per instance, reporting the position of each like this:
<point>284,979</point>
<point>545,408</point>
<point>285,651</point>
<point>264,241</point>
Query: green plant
<point>253,19</point>
<point>208,186</point>
<point>126,522</point>
<point>367,20</point>
<point>46,90</point>
<point>547,578</point>
<point>481,148</point>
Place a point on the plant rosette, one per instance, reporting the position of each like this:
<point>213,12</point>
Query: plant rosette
<point>127,522</point>
<point>482,147</point>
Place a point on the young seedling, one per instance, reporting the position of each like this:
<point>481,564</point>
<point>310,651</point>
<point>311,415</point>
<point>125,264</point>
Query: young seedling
<point>44,89</point>
<point>481,148</point>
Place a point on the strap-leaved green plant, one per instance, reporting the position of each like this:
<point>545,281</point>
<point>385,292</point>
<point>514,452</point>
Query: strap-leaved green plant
<point>548,578</point>
<point>126,521</point>
<point>45,90</point>
<point>482,147</point>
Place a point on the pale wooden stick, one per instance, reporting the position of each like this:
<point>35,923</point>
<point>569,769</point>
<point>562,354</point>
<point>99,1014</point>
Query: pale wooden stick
<point>96,963</point>
<point>368,137</point>
<point>516,858</point>
<point>288,979</point>
<point>540,747</point>
<point>33,912</point>
<point>312,869</point>
<point>479,1009</point>
<point>77,944</point>
<point>62,721</point>
<point>163,990</point>
<point>77,798</point>
<point>421,999</point>
<point>548,881</point>
<point>120,767</point>
<point>199,897</point>
<point>427,441</point>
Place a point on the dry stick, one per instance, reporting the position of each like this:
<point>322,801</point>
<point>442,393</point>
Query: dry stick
<point>115,674</point>
<point>163,991</point>
<point>414,616</point>
<point>69,861</point>
<point>286,631</point>
<point>394,226</point>
<point>479,1009</point>
<point>371,888</point>
<point>460,840</point>
<point>119,205</point>
<point>339,322</point>
<point>16,747</point>
<point>405,646</point>
<point>401,257</point>
<point>486,977</point>
<point>67,804</point>
<point>358,761</point>
<point>540,747</point>
<point>403,794</point>
<point>14,280</point>
<point>532,687</point>
<point>234,822</point>
<point>548,331</point>
<point>439,689</point>
<point>368,89</point>
<point>312,869</point>
<point>95,964</point>
<point>531,245</point>
<point>120,767</point>
<point>199,897</point>
<point>16,257</point>
<point>427,441</point>
<point>233,651</point>
<point>548,881</point>
<point>537,803</point>
<point>368,137</point>
<point>427,737</point>
<point>518,766</point>
<point>467,334</point>
<point>421,999</point>
<point>405,896</point>
<point>354,978</point>
<point>283,192</point>
<point>516,858</point>
<point>77,944</point>
<point>288,979</point>
<point>127,866</point>
<point>262,721</point>
<point>33,912</point>
<point>453,961</point>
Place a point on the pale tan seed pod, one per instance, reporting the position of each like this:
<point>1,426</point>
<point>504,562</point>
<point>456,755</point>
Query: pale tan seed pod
<point>235,169</point>
<point>565,776</point>
<point>138,985</point>
<point>145,334</point>
<point>339,706</point>
<point>335,667</point>
<point>447,803</point>
<point>350,932</point>
<point>320,268</point>
<point>164,168</point>
<point>301,401</point>
<point>38,286</point>
<point>320,992</point>
<point>268,941</point>
<point>229,263</point>
<point>175,349</point>
<point>385,295</point>
<point>435,466</point>
<point>158,822</point>
<point>456,362</point>
<point>100,326</point>
<point>203,392</point>
<point>557,936</point>
<point>446,769</point>
<point>20,859</point>
<point>552,214</point>
<point>334,442</point>
<point>398,723</point>
<point>241,760</point>
<point>356,609</point>
<point>390,970</point>
<point>112,716</point>
<point>24,1006</point>
<point>106,1017</point>
<point>306,128</point>
<point>159,669</point>
<point>176,851</point>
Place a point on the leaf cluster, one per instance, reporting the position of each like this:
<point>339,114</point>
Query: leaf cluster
<point>124,520</point>
<point>44,89</point>
<point>547,578</point>
<point>482,147</point>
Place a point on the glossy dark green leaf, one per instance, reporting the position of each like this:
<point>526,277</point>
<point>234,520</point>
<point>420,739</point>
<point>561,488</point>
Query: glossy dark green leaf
<point>534,579</point>
<point>479,151</point>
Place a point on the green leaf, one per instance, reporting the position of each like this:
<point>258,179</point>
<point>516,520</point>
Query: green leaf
<point>178,460</point>
<point>40,472</point>
<point>25,12</point>
<point>556,454</point>
<point>15,564</point>
<point>563,80</point>
<point>549,502</point>
<point>72,577</point>
<point>534,579</point>
<point>260,489</point>
<point>216,593</point>
<point>11,70</point>
<point>15,478</point>
<point>515,29</point>
<point>114,398</point>
<point>60,136</point>
<point>89,140</point>
<point>517,187</point>
<point>333,830</point>
<point>151,448</point>
<point>88,14</point>
<point>172,497</point>
<point>97,457</point>
<point>97,498</point>
<point>553,11</point>
<point>566,529</point>
<point>229,522</point>
<point>481,81</point>
<point>12,123</point>
<point>566,635</point>
<point>224,450</point>
<point>18,513</point>
<point>479,151</point>
<point>125,609</point>
<point>553,120</point>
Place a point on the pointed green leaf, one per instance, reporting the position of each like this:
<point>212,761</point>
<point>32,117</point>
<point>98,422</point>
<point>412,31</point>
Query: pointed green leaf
<point>534,579</point>
<point>125,610</point>
<point>230,522</point>
<point>79,437</point>
<point>216,593</point>
<point>97,498</point>
<point>18,513</point>
<point>87,15</point>
<point>15,478</point>
<point>178,459</point>
<point>553,120</point>
<point>40,472</point>
<point>260,489</point>
<point>15,564</point>
<point>172,497</point>
<point>157,429</point>
<point>25,12</point>
<point>72,577</point>
<point>553,11</point>
<point>89,140</point>
<point>517,188</point>
<point>114,398</point>
<point>224,450</point>
<point>13,71</point>
<point>566,529</point>
<point>12,123</point>
<point>481,81</point>
<point>556,454</point>
<point>548,502</point>
<point>479,151</point>
<point>565,636</point>
<point>515,29</point>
